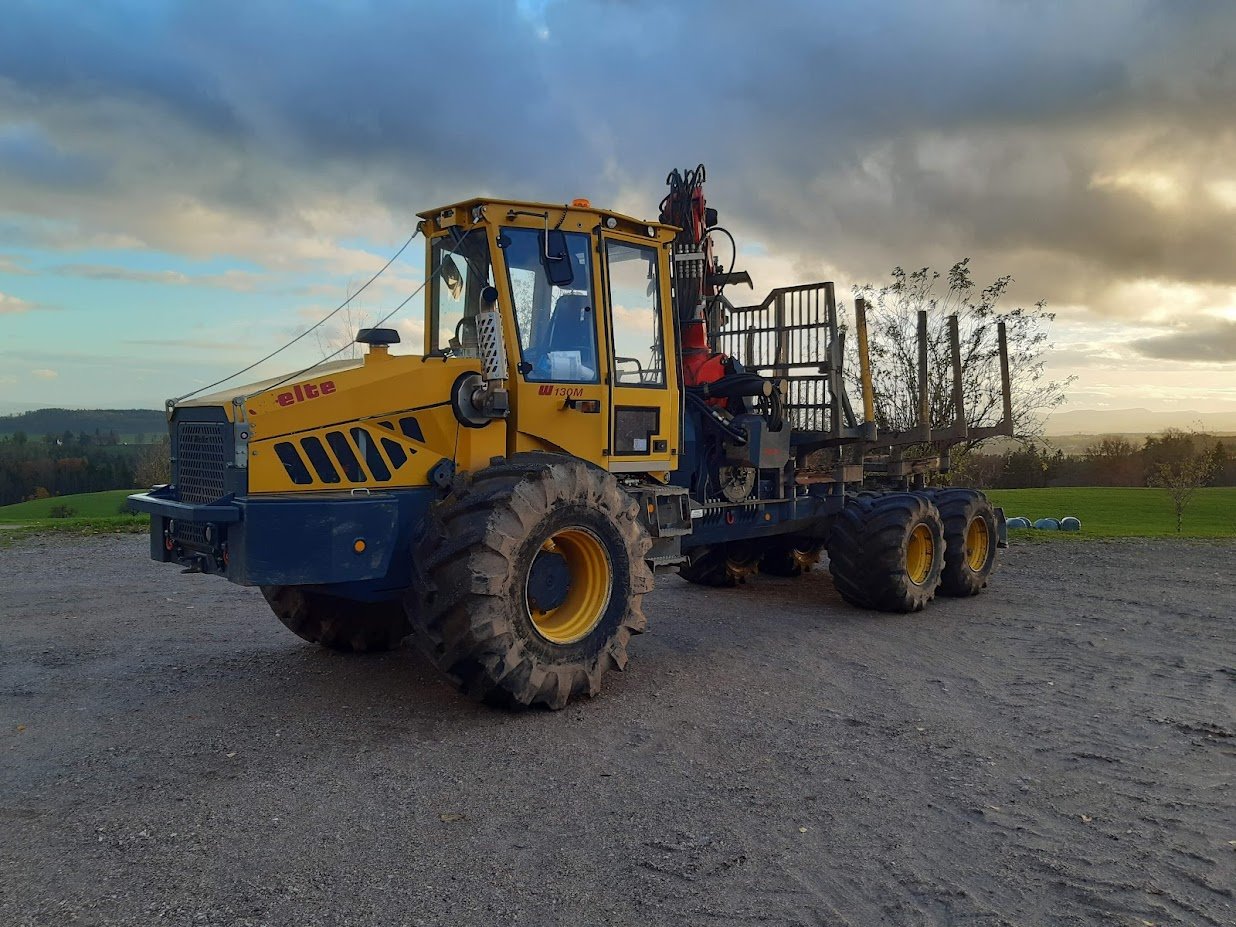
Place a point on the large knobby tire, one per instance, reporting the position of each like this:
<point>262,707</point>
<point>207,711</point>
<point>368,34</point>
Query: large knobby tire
<point>340,624</point>
<point>969,540</point>
<point>887,552</point>
<point>533,576</point>
<point>721,567</point>
<point>790,557</point>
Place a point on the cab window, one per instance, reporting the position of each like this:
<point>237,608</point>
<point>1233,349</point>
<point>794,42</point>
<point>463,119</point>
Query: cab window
<point>550,277</point>
<point>455,292</point>
<point>634,298</point>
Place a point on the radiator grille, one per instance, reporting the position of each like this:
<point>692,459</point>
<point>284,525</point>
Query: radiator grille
<point>201,460</point>
<point>190,534</point>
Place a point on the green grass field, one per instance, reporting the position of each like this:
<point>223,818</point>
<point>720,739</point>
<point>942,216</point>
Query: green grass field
<point>1123,511</point>
<point>93,513</point>
<point>1104,512</point>
<point>84,505</point>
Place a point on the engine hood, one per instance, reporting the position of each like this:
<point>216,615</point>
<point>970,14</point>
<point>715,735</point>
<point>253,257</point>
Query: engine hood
<point>379,423</point>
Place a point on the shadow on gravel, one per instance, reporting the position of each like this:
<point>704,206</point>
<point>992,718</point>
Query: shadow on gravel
<point>317,682</point>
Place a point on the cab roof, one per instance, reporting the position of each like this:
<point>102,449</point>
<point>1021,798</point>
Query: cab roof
<point>464,213</point>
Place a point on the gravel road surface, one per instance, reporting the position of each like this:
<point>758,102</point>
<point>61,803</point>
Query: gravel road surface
<point>1057,751</point>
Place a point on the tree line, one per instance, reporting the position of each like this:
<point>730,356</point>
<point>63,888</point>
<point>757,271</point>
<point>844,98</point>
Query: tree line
<point>1110,461</point>
<point>66,463</point>
<point>150,422</point>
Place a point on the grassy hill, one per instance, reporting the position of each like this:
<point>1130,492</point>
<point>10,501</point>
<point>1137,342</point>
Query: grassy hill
<point>84,505</point>
<point>1125,511</point>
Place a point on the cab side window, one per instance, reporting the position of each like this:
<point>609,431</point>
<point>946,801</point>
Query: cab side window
<point>463,271</point>
<point>635,300</point>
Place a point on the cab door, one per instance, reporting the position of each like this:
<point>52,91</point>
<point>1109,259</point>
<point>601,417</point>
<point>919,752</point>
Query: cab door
<point>643,384</point>
<point>559,396</point>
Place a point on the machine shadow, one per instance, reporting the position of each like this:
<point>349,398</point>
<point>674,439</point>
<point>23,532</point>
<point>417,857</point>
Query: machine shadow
<point>323,686</point>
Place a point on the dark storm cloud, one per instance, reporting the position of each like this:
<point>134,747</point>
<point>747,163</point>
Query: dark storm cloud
<point>847,135</point>
<point>1215,343</point>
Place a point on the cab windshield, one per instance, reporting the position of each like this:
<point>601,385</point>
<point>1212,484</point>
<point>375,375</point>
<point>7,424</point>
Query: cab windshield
<point>455,291</point>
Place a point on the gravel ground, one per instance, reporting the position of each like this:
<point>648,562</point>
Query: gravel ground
<point>1057,751</point>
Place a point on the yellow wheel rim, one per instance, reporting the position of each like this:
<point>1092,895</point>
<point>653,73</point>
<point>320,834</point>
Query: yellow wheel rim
<point>978,544</point>
<point>920,553</point>
<point>587,597</point>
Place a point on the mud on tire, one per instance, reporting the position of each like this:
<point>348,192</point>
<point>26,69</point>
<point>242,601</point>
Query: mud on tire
<point>473,606</point>
<point>887,552</point>
<point>340,624</point>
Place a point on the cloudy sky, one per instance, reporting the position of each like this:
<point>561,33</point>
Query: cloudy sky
<point>185,185</point>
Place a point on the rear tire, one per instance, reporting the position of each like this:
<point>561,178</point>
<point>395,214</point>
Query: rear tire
<point>887,552</point>
<point>340,624</point>
<point>790,557</point>
<point>533,579</point>
<point>721,567</point>
<point>969,540</point>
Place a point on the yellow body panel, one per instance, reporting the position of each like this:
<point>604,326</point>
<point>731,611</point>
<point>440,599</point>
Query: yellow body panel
<point>352,414</point>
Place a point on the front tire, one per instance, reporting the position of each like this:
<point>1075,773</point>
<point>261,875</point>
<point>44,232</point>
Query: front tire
<point>887,553</point>
<point>534,576</point>
<point>339,624</point>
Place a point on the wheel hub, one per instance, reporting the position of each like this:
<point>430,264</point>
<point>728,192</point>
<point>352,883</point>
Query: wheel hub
<point>920,552</point>
<point>568,585</point>
<point>737,483</point>
<point>978,544</point>
<point>548,581</point>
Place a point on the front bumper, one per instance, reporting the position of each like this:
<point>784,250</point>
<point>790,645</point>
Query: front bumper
<point>318,539</point>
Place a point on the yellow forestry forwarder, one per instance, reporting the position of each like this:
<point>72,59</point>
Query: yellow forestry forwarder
<point>589,406</point>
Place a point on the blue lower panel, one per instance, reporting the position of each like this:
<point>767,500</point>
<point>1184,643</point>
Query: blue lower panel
<point>805,514</point>
<point>294,542</point>
<point>299,540</point>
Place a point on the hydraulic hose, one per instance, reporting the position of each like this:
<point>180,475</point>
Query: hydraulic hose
<point>712,418</point>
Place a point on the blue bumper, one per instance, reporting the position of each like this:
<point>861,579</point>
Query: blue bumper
<point>361,544</point>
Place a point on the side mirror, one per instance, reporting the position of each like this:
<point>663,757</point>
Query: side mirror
<point>556,258</point>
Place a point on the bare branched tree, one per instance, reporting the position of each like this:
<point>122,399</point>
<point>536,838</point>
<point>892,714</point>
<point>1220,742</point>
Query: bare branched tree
<point>339,340</point>
<point>892,319</point>
<point>153,464</point>
<point>1182,468</point>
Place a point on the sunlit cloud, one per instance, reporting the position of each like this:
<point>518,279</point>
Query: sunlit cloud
<point>1160,189</point>
<point>15,266</point>
<point>12,305</point>
<point>230,280</point>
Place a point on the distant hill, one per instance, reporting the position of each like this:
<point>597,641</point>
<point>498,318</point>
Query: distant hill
<point>57,421</point>
<point>1137,421</point>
